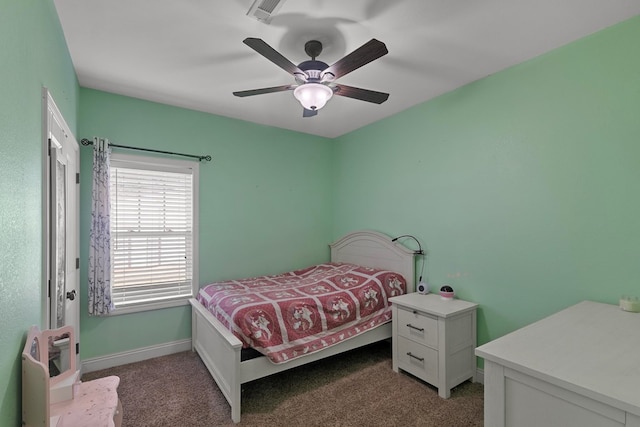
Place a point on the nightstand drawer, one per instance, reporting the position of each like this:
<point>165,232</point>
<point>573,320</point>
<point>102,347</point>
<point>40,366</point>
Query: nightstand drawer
<point>418,360</point>
<point>418,327</point>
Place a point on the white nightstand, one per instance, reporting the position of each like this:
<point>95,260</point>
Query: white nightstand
<point>434,339</point>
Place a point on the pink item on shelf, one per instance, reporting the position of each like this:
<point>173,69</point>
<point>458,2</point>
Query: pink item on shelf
<point>446,292</point>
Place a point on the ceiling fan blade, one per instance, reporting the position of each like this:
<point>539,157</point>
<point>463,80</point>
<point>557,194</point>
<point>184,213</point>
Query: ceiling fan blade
<point>366,53</point>
<point>309,113</point>
<point>361,94</point>
<point>274,56</point>
<point>264,90</point>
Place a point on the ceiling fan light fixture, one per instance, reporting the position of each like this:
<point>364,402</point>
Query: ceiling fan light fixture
<point>313,96</point>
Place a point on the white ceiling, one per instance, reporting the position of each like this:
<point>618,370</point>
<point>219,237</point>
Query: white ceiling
<point>189,53</point>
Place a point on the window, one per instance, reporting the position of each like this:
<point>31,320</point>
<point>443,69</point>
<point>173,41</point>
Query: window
<point>153,232</point>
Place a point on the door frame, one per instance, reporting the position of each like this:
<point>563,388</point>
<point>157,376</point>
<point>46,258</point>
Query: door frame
<point>50,113</point>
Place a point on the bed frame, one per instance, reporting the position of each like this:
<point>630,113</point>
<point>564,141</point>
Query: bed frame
<point>220,350</point>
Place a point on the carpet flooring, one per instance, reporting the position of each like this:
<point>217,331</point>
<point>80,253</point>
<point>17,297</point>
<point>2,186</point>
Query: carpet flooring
<point>357,388</point>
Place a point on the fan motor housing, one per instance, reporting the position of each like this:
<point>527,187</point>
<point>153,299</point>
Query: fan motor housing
<point>313,69</point>
<point>311,65</point>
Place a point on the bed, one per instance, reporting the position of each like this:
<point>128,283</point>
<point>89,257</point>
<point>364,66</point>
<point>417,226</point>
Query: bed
<point>221,350</point>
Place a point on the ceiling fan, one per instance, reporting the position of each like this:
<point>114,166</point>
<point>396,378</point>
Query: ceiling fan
<point>315,79</point>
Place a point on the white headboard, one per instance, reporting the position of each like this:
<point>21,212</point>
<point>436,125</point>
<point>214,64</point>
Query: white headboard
<point>376,250</point>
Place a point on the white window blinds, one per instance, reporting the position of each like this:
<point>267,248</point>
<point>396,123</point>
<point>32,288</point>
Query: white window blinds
<point>152,231</point>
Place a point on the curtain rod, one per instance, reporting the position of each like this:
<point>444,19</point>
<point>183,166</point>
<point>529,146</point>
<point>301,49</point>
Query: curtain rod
<point>85,141</point>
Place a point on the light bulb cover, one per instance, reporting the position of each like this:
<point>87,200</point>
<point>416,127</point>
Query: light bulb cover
<point>313,96</point>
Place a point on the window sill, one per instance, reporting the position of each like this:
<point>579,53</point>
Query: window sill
<point>156,305</point>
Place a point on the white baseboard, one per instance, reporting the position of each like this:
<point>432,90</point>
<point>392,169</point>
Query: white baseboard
<point>480,375</point>
<point>137,355</point>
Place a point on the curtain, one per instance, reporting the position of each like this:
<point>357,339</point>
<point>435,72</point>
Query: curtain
<point>100,302</point>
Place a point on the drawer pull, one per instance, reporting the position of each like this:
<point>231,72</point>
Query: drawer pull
<point>421,359</point>
<point>409,325</point>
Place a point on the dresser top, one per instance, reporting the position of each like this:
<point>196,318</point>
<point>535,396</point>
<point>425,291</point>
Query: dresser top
<point>590,348</point>
<point>433,304</point>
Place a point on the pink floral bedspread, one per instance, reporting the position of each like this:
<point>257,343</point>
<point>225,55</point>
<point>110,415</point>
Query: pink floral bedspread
<point>300,312</point>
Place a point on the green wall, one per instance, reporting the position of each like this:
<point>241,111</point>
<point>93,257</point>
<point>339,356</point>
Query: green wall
<point>264,203</point>
<point>523,187</point>
<point>33,54</point>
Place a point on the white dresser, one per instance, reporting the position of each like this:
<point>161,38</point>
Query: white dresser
<point>434,339</point>
<point>577,368</point>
